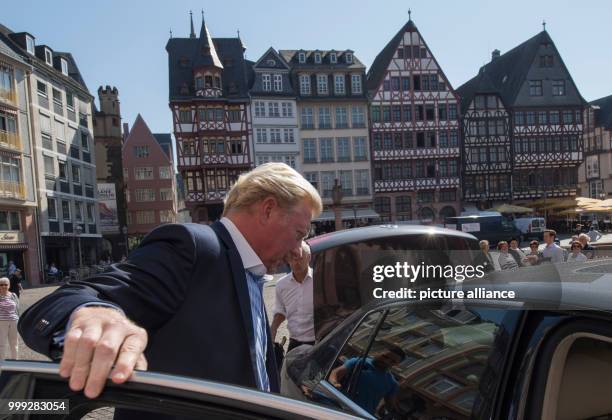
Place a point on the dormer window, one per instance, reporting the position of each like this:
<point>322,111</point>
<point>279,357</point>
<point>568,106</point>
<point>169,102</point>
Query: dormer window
<point>64,64</point>
<point>349,58</point>
<point>302,57</point>
<point>48,57</point>
<point>333,58</point>
<point>318,58</point>
<point>199,83</point>
<point>30,44</point>
<point>208,81</point>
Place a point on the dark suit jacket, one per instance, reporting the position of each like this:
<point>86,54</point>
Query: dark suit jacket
<point>186,285</point>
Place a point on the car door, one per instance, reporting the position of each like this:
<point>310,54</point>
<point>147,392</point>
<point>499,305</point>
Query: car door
<point>148,393</point>
<point>423,361</point>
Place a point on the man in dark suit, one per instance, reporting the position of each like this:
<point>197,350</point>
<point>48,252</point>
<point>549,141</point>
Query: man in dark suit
<point>188,300</point>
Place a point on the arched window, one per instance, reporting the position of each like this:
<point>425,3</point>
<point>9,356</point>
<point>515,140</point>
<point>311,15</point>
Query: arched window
<point>426,214</point>
<point>208,81</point>
<point>447,211</point>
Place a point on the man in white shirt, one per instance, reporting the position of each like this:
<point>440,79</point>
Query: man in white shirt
<point>294,301</point>
<point>552,252</point>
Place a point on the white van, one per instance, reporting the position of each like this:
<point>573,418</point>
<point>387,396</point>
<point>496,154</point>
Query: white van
<point>531,227</point>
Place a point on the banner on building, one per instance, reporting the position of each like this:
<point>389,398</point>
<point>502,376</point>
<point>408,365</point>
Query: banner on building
<point>109,222</point>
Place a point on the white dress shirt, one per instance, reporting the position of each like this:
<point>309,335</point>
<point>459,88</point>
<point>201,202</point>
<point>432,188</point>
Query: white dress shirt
<point>250,260</point>
<point>294,301</point>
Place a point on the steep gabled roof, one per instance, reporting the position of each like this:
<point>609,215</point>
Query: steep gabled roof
<point>381,62</point>
<point>603,115</point>
<point>507,73</point>
<point>165,141</point>
<point>73,69</point>
<point>272,51</point>
<point>140,130</point>
<point>291,57</point>
<point>210,58</point>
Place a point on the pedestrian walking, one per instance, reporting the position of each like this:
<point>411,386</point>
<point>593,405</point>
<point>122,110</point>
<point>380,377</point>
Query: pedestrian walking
<point>16,279</point>
<point>9,315</point>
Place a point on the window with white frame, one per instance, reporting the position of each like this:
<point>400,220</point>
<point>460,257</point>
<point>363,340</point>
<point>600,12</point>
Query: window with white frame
<point>6,78</point>
<point>145,217</point>
<point>41,88</point>
<point>596,188</point>
<point>288,136</point>
<point>313,178</point>
<point>333,58</point>
<point>278,83</point>
<point>348,57</point>
<point>275,135</point>
<point>64,64</point>
<point>141,151</point>
<point>307,119</point>
<point>48,57</point>
<point>339,88</point>
<point>358,116</point>
<point>57,96</point>
<point>66,210</point>
<point>49,164</point>
<point>76,174</point>
<point>166,194</point>
<point>63,172</point>
<point>326,149</point>
<point>362,182</point>
<point>317,58</point>
<point>51,208</point>
<point>322,84</point>
<point>290,160</point>
<point>145,194</point>
<point>302,57</point>
<point>10,170</point>
<point>341,117</point>
<point>88,178</point>
<point>343,151</point>
<point>84,141</point>
<point>327,182</point>
<point>310,150</point>
<point>324,117</point>
<point>165,172</point>
<point>260,109</point>
<point>166,216</point>
<point>60,129</point>
<point>10,220</point>
<point>287,109</point>
<point>45,124</point>
<point>78,211</point>
<point>261,159</point>
<point>356,84</point>
<point>70,101</point>
<point>262,135</point>
<point>143,172</point>
<point>91,212</point>
<point>346,181</point>
<point>30,44</point>
<point>359,148</point>
<point>273,109</point>
<point>304,84</point>
<point>266,82</point>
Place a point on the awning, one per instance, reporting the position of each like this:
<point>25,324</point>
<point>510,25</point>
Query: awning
<point>12,246</point>
<point>348,215</point>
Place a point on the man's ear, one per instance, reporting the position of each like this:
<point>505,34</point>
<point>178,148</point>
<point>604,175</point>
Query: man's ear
<point>267,207</point>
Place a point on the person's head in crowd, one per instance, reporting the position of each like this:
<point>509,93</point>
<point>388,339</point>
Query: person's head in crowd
<point>502,246</point>
<point>484,245</point>
<point>533,246</point>
<point>592,227</point>
<point>272,206</point>
<point>299,264</point>
<point>584,239</point>
<point>574,238</point>
<point>18,273</point>
<point>391,356</point>
<point>5,285</point>
<point>576,247</point>
<point>514,243</point>
<point>549,236</point>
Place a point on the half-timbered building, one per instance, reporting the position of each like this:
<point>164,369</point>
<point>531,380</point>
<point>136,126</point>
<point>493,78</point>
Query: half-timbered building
<point>209,100</point>
<point>414,120</point>
<point>522,126</point>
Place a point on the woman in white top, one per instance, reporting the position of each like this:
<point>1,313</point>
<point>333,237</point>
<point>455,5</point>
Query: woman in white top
<point>575,254</point>
<point>9,305</point>
<point>506,261</point>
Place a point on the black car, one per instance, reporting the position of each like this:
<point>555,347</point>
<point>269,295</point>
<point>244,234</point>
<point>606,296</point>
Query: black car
<point>546,353</point>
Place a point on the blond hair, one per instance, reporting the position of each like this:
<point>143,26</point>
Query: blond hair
<point>276,180</point>
<point>5,280</point>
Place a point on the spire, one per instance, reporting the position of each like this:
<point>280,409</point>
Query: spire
<point>192,34</point>
<point>204,30</point>
<point>170,33</point>
<point>409,14</point>
<point>207,48</point>
<point>543,25</point>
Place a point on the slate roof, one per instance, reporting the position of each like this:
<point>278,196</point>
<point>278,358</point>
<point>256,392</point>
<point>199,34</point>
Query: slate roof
<point>603,115</point>
<point>506,74</point>
<point>381,62</point>
<point>165,141</point>
<point>292,57</point>
<point>236,70</point>
<point>6,49</point>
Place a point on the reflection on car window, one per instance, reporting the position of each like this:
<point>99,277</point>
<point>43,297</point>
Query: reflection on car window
<point>423,363</point>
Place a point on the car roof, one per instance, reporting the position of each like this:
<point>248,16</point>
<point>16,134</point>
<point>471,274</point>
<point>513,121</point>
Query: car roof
<point>348,236</point>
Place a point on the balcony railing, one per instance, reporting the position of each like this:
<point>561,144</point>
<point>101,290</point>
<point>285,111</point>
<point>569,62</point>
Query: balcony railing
<point>12,189</point>
<point>9,139</point>
<point>8,95</point>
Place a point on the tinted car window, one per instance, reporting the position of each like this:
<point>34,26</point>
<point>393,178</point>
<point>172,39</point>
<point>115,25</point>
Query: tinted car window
<point>344,274</point>
<point>425,363</point>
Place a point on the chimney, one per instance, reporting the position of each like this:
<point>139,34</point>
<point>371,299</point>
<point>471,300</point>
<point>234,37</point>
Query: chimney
<point>126,131</point>
<point>495,54</point>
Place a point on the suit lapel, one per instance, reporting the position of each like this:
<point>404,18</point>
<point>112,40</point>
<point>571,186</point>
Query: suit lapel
<point>239,278</point>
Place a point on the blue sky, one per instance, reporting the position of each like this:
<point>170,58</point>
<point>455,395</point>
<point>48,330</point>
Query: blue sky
<point>122,42</point>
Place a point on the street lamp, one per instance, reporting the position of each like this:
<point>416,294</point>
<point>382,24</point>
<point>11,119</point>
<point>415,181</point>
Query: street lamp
<point>79,230</point>
<point>337,201</point>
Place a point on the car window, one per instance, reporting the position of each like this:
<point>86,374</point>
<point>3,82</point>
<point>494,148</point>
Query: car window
<point>344,274</point>
<point>422,363</point>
